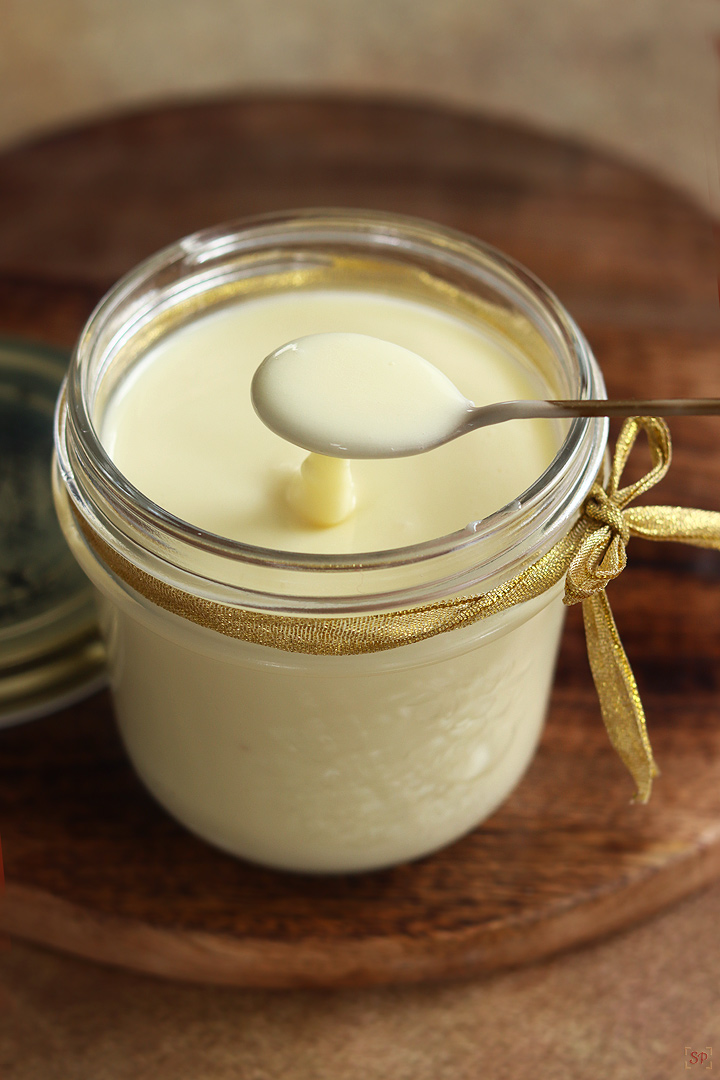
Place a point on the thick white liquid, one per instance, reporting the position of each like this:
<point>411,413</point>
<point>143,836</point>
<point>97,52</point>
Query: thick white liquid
<point>183,430</point>
<point>313,763</point>
<point>327,764</point>
<point>356,396</point>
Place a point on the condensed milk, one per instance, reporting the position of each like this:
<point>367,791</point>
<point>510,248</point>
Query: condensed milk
<point>320,763</point>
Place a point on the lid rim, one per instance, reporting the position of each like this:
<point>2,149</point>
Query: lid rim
<point>50,649</point>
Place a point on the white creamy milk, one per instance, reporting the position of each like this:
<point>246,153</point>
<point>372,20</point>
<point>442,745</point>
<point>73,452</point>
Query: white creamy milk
<point>356,396</point>
<point>183,430</point>
<point>351,396</point>
<point>322,763</point>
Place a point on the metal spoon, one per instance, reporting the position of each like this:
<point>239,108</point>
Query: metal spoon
<point>499,412</point>
<point>354,396</point>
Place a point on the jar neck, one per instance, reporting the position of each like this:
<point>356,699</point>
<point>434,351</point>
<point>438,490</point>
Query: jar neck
<point>214,267</point>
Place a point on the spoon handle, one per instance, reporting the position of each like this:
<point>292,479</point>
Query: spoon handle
<point>658,407</point>
<point>527,410</point>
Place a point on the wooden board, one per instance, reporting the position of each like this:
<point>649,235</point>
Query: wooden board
<point>93,866</point>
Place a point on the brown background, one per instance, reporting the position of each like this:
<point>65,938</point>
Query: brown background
<point>624,1010</point>
<point>638,77</point>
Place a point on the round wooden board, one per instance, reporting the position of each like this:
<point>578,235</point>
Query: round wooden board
<point>93,865</point>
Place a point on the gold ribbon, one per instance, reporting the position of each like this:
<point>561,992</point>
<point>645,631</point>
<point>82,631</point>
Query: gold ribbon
<point>589,557</point>
<point>600,557</point>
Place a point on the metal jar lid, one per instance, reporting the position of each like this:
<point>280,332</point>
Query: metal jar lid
<point>50,652</point>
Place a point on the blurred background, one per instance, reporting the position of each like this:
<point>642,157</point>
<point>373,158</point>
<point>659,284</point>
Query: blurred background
<point>637,76</point>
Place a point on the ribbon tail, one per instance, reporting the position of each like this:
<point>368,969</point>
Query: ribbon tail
<point>620,704</point>
<point>679,523</point>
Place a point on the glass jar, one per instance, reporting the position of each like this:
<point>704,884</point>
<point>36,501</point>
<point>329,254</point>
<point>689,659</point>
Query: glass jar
<point>322,763</point>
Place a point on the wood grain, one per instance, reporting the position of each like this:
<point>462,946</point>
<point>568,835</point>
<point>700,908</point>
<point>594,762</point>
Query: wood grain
<point>93,865</point>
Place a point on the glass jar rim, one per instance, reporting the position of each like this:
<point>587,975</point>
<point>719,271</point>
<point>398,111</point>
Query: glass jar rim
<point>552,500</point>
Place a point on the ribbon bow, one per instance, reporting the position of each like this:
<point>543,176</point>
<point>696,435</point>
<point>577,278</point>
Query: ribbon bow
<point>599,558</point>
